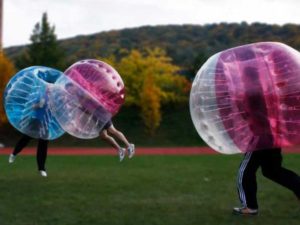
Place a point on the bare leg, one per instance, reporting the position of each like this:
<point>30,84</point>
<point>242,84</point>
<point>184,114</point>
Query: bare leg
<point>110,140</point>
<point>116,133</point>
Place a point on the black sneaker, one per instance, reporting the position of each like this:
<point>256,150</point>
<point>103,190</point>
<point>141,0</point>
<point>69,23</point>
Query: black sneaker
<point>244,211</point>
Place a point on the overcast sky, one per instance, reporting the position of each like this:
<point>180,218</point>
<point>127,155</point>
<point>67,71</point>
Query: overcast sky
<point>75,17</point>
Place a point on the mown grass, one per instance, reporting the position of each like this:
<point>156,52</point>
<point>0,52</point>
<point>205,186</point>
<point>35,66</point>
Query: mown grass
<point>149,190</point>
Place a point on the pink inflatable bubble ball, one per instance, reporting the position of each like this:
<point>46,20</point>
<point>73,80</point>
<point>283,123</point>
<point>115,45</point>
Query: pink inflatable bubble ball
<point>101,81</point>
<point>248,98</point>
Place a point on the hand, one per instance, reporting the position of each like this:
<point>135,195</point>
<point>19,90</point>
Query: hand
<point>42,103</point>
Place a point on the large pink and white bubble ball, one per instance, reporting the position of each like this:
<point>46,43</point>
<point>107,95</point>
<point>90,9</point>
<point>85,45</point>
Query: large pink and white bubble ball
<point>248,98</point>
<point>101,81</point>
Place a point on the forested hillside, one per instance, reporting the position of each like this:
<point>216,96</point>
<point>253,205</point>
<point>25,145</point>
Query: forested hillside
<point>187,45</point>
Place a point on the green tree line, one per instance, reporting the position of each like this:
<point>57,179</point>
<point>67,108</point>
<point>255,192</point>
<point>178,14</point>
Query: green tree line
<point>183,43</point>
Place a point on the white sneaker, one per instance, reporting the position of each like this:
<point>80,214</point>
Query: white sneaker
<point>121,154</point>
<point>43,173</point>
<point>245,211</point>
<point>12,158</point>
<point>131,151</point>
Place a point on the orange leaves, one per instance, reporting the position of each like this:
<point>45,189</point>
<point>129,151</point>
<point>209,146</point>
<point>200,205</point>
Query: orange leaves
<point>7,70</point>
<point>150,105</point>
<point>151,80</point>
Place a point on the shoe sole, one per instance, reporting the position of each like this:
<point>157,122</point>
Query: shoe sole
<point>244,214</point>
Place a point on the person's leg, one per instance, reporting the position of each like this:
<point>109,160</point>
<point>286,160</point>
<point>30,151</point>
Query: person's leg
<point>41,155</point>
<point>246,180</point>
<point>19,147</point>
<point>118,134</point>
<point>21,144</point>
<point>111,141</point>
<point>273,170</point>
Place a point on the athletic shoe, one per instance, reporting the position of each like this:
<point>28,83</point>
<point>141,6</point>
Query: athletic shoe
<point>121,154</point>
<point>43,173</point>
<point>12,158</point>
<point>131,151</point>
<point>244,211</point>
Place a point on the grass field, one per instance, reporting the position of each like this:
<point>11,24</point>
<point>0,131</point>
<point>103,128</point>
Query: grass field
<point>148,190</point>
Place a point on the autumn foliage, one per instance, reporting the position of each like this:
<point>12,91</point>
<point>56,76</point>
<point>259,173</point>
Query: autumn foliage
<point>150,104</point>
<point>7,70</point>
<point>151,80</point>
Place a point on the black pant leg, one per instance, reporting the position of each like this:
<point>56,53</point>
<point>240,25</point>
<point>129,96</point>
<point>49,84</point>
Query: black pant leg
<point>21,144</point>
<point>273,170</point>
<point>246,180</point>
<point>41,155</point>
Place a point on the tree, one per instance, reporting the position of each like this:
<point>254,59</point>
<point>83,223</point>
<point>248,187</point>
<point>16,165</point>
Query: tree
<point>199,60</point>
<point>150,104</point>
<point>44,49</point>
<point>151,80</point>
<point>7,69</point>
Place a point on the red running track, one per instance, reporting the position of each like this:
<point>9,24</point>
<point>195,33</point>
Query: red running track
<point>139,151</point>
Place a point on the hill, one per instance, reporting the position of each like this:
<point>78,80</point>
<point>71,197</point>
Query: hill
<point>183,43</point>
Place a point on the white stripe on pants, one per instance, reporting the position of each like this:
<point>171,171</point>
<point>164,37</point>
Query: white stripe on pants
<point>240,178</point>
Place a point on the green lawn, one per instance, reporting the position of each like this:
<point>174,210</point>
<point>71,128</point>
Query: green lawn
<point>145,190</point>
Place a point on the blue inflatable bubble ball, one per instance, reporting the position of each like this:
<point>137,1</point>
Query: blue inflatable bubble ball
<point>26,102</point>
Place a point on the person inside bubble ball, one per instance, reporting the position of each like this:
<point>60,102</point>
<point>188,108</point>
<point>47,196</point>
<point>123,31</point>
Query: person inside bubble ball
<point>108,131</point>
<point>35,122</point>
<point>269,159</point>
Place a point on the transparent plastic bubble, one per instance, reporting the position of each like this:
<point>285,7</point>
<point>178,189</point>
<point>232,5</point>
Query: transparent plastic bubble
<point>42,102</point>
<point>26,102</point>
<point>77,112</point>
<point>248,98</point>
<point>101,81</point>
